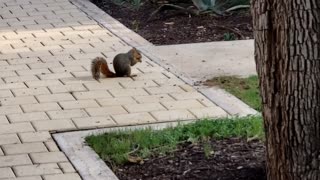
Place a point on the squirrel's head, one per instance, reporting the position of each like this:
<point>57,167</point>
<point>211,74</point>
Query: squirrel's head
<point>136,55</point>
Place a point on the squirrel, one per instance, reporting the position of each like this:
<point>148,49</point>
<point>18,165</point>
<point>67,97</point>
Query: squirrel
<point>121,64</point>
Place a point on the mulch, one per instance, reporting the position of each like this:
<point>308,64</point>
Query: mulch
<point>173,27</point>
<point>228,159</point>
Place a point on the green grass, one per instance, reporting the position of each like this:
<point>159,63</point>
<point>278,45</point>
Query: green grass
<point>115,147</point>
<point>246,89</point>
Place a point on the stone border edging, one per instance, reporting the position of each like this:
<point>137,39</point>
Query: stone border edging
<point>228,102</point>
<point>86,161</point>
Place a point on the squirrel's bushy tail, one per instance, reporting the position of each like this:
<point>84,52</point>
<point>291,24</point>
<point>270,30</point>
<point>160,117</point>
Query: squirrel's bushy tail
<point>99,64</point>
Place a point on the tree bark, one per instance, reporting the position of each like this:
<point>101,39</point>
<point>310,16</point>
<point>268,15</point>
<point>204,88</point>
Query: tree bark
<point>287,55</point>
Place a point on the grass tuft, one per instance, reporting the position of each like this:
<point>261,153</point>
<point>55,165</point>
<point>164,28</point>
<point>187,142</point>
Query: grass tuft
<point>115,147</point>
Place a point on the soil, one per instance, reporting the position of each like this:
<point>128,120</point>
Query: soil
<point>228,159</point>
<point>174,27</point>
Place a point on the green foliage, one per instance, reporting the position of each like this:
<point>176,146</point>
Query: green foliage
<point>204,5</point>
<point>246,89</point>
<point>218,5</point>
<point>229,36</point>
<point>208,150</point>
<point>136,3</point>
<point>115,147</point>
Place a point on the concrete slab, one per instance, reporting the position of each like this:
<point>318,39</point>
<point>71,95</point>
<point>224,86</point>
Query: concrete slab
<point>200,61</point>
<point>195,63</point>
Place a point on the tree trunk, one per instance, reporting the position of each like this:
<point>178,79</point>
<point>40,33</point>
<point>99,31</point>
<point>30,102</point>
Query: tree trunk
<point>287,54</point>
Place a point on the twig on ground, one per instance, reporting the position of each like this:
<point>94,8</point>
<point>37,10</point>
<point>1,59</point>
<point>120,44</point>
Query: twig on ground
<point>134,150</point>
<point>230,29</point>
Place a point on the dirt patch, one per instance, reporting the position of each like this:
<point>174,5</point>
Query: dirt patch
<point>229,159</point>
<point>172,27</point>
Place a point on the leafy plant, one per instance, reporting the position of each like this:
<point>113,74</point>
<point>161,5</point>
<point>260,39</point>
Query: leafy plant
<point>229,36</point>
<point>208,150</point>
<point>136,3</point>
<point>205,6</point>
<point>220,5</point>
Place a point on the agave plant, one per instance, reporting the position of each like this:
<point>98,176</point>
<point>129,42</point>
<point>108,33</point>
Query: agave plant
<point>204,6</point>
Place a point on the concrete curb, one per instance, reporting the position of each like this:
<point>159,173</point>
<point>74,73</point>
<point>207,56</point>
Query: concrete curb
<point>228,102</point>
<point>86,161</point>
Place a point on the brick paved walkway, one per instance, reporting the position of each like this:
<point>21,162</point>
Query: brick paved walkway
<point>45,51</point>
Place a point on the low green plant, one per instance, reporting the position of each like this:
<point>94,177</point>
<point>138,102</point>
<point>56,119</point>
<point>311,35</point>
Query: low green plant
<point>208,150</point>
<point>136,3</point>
<point>117,147</point>
<point>135,25</point>
<point>204,6</point>
<point>229,36</point>
<point>219,5</point>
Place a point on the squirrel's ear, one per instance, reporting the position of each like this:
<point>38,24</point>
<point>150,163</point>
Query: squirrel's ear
<point>136,50</point>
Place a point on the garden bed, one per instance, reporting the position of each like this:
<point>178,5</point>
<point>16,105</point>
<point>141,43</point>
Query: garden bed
<point>230,149</point>
<point>229,159</point>
<point>173,27</point>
